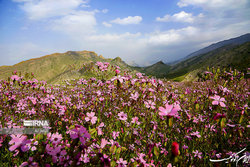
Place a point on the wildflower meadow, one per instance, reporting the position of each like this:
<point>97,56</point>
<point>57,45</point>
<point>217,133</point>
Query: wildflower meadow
<point>118,118</point>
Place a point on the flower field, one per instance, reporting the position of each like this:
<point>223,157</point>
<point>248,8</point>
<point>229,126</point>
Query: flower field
<point>126,120</point>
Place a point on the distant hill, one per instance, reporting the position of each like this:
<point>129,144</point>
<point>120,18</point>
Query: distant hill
<point>235,56</point>
<point>58,66</point>
<point>233,41</point>
<point>158,69</point>
<point>227,56</point>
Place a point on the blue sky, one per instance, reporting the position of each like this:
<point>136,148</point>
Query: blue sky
<point>140,31</point>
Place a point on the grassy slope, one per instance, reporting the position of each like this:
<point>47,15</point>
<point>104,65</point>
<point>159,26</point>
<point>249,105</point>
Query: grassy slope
<point>56,66</point>
<point>228,56</point>
<point>61,66</point>
<point>159,69</point>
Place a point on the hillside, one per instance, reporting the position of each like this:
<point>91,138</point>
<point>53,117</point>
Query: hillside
<point>235,56</point>
<point>158,69</point>
<point>227,56</point>
<point>233,42</point>
<point>58,66</point>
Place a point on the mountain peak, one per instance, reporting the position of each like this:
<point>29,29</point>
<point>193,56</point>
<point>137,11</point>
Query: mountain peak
<point>159,62</point>
<point>117,59</point>
<point>101,57</point>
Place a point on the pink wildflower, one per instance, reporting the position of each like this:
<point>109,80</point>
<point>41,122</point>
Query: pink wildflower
<point>197,134</point>
<point>55,138</point>
<point>122,116</point>
<point>218,100</point>
<point>121,162</point>
<point>135,120</point>
<point>134,96</point>
<point>219,115</point>
<point>170,110</point>
<point>79,132</point>
<point>115,134</point>
<point>19,141</point>
<point>104,142</point>
<point>29,163</point>
<point>15,77</point>
<point>91,117</point>
<point>150,104</point>
<point>139,75</point>
<point>117,71</point>
<point>197,154</point>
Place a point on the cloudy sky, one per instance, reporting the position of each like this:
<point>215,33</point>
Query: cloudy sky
<point>140,31</point>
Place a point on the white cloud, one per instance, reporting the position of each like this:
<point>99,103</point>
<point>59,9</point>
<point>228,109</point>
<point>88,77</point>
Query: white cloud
<point>113,37</point>
<point>128,46</point>
<point>173,36</point>
<point>227,4</point>
<point>179,17</point>
<point>42,9</point>
<point>106,24</point>
<point>165,18</point>
<point>76,24</point>
<point>128,20</point>
<point>105,11</point>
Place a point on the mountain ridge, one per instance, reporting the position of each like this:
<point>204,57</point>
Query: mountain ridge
<point>234,41</point>
<point>235,56</point>
<point>60,65</point>
<point>50,66</point>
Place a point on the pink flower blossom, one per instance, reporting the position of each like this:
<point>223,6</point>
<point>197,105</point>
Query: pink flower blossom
<point>104,142</point>
<point>117,71</point>
<point>79,132</point>
<point>185,147</point>
<point>197,154</point>
<point>121,79</point>
<point>219,115</point>
<point>150,104</point>
<point>197,134</point>
<point>121,162</point>
<point>139,75</point>
<point>122,116</point>
<point>30,163</point>
<point>169,165</point>
<point>141,157</point>
<point>53,150</point>
<point>134,96</point>
<point>135,120</point>
<point>170,110</point>
<point>55,138</point>
<point>115,134</point>
<point>19,141</point>
<point>91,117</point>
<point>15,77</point>
<point>218,100</point>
